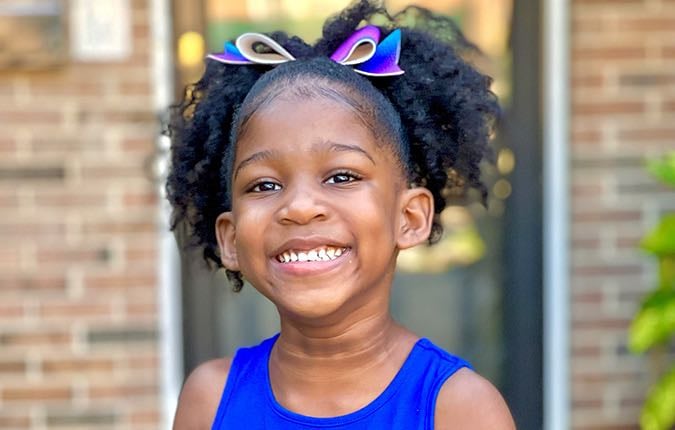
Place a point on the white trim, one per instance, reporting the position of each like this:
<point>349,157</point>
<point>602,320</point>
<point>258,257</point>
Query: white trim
<point>169,295</point>
<point>556,103</point>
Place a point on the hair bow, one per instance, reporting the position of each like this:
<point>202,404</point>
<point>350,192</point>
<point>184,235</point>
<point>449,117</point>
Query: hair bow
<point>362,49</point>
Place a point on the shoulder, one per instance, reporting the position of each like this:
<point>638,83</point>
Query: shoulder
<point>469,401</point>
<point>201,394</point>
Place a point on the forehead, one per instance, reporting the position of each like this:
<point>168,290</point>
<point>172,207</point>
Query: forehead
<point>295,123</point>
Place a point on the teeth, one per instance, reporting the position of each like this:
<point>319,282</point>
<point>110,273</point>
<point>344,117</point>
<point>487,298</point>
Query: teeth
<point>318,254</point>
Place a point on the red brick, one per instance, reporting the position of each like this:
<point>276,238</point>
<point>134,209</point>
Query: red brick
<point>609,53</point>
<point>121,227</point>
<point>34,338</point>
<point>120,282</point>
<point>650,133</point>
<point>33,284</point>
<point>15,117</point>
<point>39,393</point>
<point>145,417</point>
<point>121,390</point>
<point>607,108</point>
<point>11,310</point>
<point>12,367</point>
<point>44,229</point>
<point>140,199</point>
<point>612,3</point>
<point>647,24</point>
<point>77,366</point>
<point>586,137</point>
<point>17,420</point>
<point>607,216</point>
<point>607,270</point>
<point>587,82</point>
<point>70,310</point>
<point>141,309</point>
<point>69,198</point>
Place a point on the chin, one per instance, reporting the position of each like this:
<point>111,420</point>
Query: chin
<point>312,304</point>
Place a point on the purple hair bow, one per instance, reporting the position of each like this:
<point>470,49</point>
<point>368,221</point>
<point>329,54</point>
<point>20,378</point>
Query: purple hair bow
<point>362,49</point>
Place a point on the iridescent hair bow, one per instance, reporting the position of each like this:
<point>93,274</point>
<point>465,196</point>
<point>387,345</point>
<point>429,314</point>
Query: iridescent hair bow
<point>362,49</point>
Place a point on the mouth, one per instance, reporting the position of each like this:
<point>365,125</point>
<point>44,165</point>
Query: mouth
<point>318,254</point>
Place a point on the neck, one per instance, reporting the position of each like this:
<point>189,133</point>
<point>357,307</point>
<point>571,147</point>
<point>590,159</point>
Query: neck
<point>364,334</point>
<point>334,362</point>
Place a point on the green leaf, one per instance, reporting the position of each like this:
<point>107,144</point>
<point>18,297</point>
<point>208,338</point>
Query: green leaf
<point>661,240</point>
<point>663,168</point>
<point>658,412</point>
<point>654,323</point>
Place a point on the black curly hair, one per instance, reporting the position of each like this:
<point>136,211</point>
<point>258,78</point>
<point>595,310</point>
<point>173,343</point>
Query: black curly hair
<point>439,115</point>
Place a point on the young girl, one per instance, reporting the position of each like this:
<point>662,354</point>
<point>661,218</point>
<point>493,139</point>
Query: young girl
<point>305,170</point>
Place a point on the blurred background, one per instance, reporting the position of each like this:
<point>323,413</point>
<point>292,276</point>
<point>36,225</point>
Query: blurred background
<point>102,315</point>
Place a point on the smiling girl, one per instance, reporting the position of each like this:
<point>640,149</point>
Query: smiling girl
<point>305,170</point>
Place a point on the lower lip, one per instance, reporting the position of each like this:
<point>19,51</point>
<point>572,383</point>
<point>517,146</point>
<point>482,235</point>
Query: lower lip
<point>308,268</point>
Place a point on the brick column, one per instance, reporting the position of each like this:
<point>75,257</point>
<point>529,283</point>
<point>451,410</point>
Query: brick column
<point>78,311</point>
<point>623,110</point>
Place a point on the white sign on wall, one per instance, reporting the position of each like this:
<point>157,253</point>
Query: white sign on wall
<point>100,30</point>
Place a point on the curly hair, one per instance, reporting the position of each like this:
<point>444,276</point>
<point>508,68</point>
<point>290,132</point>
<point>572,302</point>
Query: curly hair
<point>439,116</point>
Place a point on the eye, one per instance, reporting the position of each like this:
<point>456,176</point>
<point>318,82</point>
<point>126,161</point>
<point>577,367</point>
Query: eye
<point>343,178</point>
<point>264,186</point>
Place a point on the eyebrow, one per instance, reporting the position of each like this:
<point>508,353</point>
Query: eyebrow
<point>343,147</point>
<point>333,146</point>
<point>258,156</point>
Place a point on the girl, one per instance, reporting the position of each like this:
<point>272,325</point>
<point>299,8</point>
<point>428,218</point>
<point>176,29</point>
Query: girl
<point>304,170</point>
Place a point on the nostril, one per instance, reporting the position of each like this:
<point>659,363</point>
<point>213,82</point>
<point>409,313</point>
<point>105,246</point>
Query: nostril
<point>303,208</point>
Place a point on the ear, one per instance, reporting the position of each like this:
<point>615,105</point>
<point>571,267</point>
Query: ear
<point>226,235</point>
<point>417,214</point>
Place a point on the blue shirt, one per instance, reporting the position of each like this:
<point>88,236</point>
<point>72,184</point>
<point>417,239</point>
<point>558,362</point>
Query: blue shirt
<point>408,402</point>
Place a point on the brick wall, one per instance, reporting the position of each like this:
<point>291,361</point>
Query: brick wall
<point>78,308</point>
<point>623,110</point>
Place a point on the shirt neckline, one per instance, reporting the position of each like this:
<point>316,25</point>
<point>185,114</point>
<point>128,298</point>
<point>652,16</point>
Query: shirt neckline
<point>350,417</point>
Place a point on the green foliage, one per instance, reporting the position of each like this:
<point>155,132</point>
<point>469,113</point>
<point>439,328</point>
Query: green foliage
<point>663,169</point>
<point>654,323</point>
<point>661,240</point>
<point>659,409</point>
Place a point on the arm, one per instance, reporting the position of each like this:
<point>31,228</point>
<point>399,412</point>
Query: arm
<point>200,396</point>
<point>470,402</point>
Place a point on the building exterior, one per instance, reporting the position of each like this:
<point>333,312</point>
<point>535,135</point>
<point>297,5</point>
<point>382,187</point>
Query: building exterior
<point>79,340</point>
<point>622,90</point>
<point>81,317</point>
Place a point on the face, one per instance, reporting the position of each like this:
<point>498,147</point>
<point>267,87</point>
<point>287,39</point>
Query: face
<point>320,209</point>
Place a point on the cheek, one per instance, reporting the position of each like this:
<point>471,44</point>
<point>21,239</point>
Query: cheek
<point>250,232</point>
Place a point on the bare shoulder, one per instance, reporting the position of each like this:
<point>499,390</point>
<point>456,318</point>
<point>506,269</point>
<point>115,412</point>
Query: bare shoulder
<point>201,394</point>
<point>469,401</point>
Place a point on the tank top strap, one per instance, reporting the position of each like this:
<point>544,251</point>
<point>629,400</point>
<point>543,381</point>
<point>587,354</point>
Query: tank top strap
<point>249,363</point>
<point>440,366</point>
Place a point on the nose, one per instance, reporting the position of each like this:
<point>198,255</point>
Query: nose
<point>303,204</point>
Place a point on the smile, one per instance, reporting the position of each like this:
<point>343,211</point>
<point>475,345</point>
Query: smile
<point>322,253</point>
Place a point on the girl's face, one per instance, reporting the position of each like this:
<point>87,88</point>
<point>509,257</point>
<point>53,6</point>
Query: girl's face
<point>320,209</point>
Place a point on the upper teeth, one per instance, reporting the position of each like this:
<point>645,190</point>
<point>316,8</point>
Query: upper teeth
<point>324,253</point>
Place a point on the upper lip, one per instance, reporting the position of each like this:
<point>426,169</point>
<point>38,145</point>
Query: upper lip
<point>307,243</point>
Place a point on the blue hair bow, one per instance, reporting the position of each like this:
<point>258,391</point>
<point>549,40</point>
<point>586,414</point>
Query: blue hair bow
<point>362,49</point>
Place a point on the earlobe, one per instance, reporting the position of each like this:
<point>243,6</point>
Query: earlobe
<point>417,213</point>
<point>226,235</point>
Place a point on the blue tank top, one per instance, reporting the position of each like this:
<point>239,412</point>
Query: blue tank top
<point>408,402</point>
